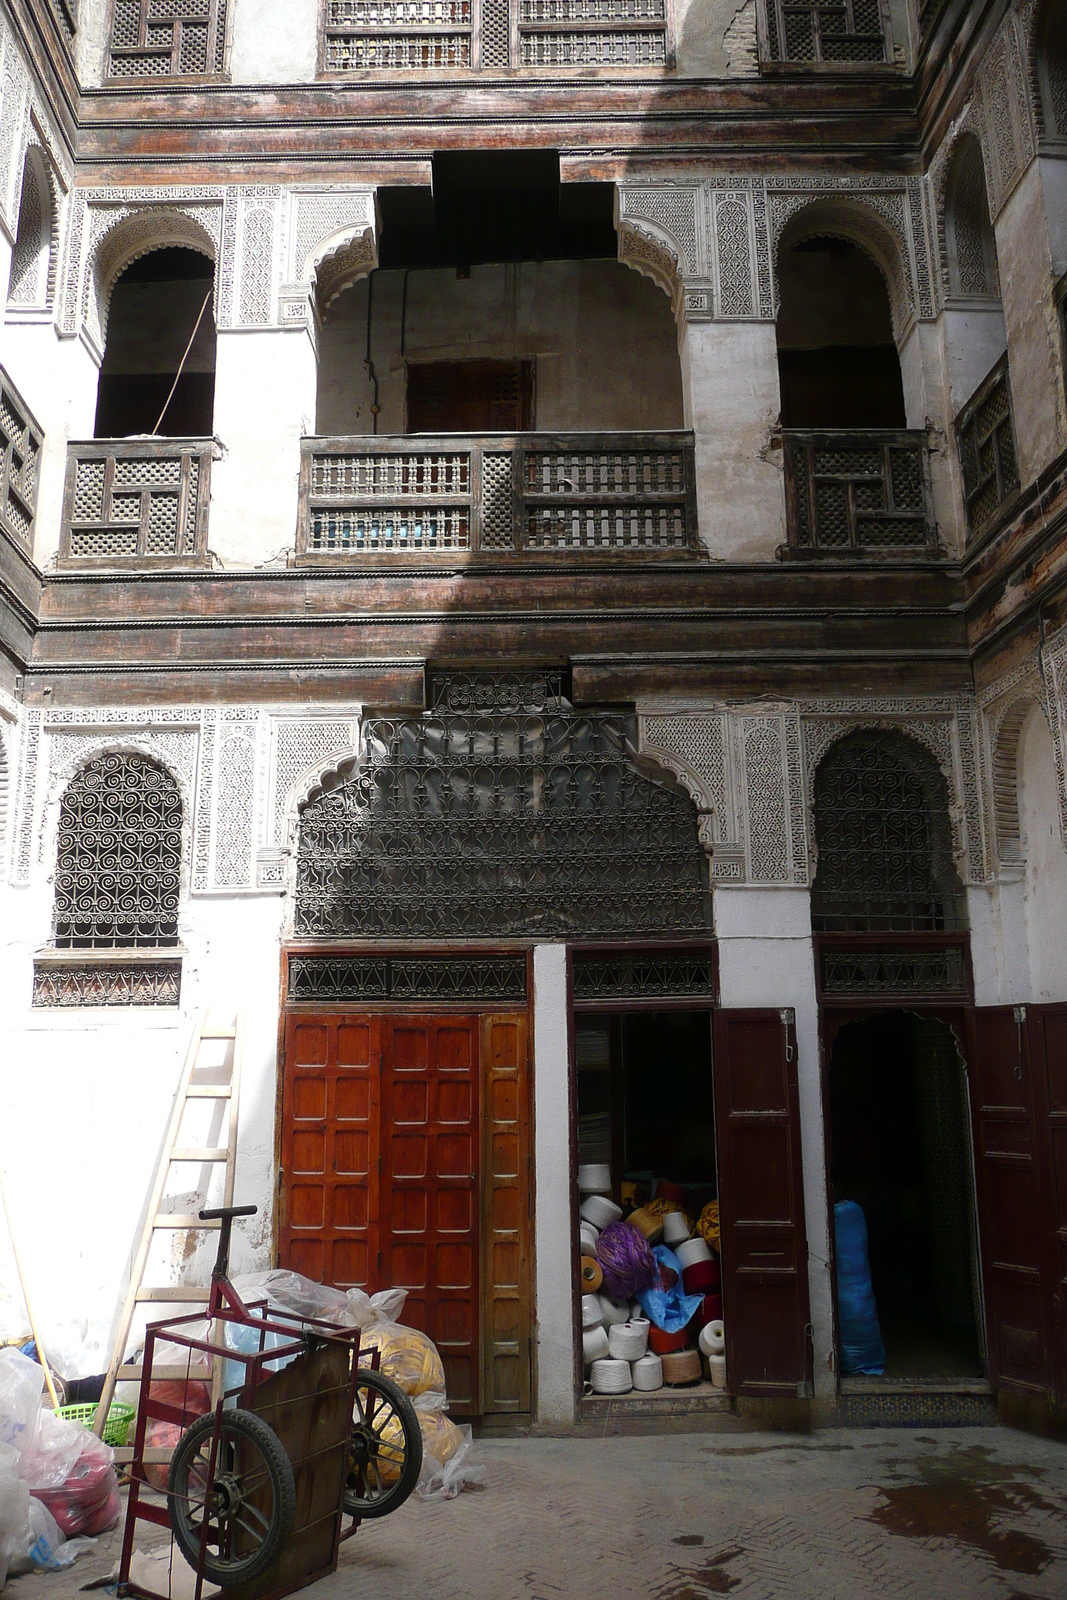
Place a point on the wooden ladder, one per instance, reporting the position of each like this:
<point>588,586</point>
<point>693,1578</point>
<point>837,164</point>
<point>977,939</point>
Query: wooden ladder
<point>199,1081</point>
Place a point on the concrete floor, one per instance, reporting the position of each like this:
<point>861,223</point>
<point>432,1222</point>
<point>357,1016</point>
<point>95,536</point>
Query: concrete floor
<point>839,1515</point>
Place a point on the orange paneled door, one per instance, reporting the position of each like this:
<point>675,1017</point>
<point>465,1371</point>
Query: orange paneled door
<point>384,1123</point>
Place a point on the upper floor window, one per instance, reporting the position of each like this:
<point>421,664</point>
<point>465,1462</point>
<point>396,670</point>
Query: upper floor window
<point>152,378</point>
<point>167,38</point>
<point>118,866</point>
<point>824,32</point>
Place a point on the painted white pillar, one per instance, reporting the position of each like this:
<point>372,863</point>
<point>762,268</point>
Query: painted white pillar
<point>553,1223</point>
<point>766,958</point>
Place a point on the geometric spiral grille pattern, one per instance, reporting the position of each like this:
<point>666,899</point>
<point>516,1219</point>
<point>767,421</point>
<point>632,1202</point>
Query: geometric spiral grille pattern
<point>884,839</point>
<point>499,823</point>
<point>118,868</point>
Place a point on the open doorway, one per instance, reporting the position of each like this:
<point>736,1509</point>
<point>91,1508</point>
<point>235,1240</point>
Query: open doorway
<point>899,1149</point>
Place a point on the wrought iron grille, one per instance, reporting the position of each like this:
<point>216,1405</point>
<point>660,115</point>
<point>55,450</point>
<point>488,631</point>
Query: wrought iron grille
<point>499,824</point>
<point>622,976</point>
<point>884,840</point>
<point>438,978</point>
<point>985,430</point>
<point>110,983</point>
<point>830,31</point>
<point>931,971</point>
<point>118,870</point>
<point>848,492</point>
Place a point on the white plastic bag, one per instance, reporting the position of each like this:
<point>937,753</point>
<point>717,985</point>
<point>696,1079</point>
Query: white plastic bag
<point>21,1383</point>
<point>366,1309</point>
<point>53,1452</point>
<point>291,1291</point>
<point>445,1480</point>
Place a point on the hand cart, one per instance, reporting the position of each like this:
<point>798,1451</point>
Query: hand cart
<point>301,1434</point>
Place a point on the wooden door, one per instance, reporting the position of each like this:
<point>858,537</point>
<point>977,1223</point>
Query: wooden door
<point>761,1204</point>
<point>1011,1201</point>
<point>507,1202</point>
<point>430,1158</point>
<point>469,396</point>
<point>1047,1034</point>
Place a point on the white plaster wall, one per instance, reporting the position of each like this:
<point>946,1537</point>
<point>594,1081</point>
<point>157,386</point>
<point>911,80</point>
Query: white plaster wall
<point>715,38</point>
<point>766,958</point>
<point>927,398</point>
<point>1000,957</point>
<point>1026,281</point>
<point>84,1101</point>
<point>57,378</point>
<point>553,1222</point>
<point>264,403</point>
<point>732,400</point>
<point>274,41</point>
<point>975,338</point>
<point>1046,861</point>
<point>1053,175</point>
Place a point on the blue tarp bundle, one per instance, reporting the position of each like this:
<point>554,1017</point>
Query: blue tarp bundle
<point>861,1344</point>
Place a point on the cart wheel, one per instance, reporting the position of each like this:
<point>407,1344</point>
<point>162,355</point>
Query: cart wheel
<point>249,1504</point>
<point>386,1447</point>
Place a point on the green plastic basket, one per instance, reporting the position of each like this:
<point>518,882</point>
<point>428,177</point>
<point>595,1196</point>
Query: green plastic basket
<point>118,1421</point>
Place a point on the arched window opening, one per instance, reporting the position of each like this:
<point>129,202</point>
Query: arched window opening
<point>148,384</point>
<point>884,840</point>
<point>837,361</point>
<point>118,867</point>
<point>31,258</point>
<point>1052,69</point>
<point>972,252</point>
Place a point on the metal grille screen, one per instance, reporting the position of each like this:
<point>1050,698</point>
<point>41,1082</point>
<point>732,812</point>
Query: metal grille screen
<point>884,839</point>
<point>530,820</point>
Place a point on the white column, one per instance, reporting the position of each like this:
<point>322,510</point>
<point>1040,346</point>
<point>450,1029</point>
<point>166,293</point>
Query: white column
<point>553,1220</point>
<point>732,401</point>
<point>265,383</point>
<point>766,958</point>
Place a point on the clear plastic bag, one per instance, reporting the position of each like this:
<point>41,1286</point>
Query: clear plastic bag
<point>408,1356</point>
<point>444,1480</point>
<point>21,1385</point>
<point>55,1450</point>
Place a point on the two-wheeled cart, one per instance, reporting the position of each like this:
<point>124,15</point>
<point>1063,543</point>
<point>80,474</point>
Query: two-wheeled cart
<point>301,1436</point>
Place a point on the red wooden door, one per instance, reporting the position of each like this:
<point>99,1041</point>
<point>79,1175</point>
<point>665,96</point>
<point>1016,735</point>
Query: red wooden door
<point>761,1204</point>
<point>1011,1207</point>
<point>1046,1032</point>
<point>430,1227</point>
<point>330,1150</point>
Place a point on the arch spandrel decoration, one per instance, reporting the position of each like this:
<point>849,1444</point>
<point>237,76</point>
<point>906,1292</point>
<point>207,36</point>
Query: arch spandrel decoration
<point>515,819</point>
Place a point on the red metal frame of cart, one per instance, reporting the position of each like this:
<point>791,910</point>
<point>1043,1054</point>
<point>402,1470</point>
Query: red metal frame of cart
<point>224,1306</point>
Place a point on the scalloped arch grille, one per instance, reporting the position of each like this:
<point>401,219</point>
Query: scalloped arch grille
<point>118,868</point>
<point>494,823</point>
<point>884,839</point>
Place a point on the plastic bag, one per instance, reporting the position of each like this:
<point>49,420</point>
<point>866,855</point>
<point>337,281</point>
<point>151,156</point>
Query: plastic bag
<point>407,1356</point>
<point>21,1384</point>
<point>87,1501</point>
<point>669,1307</point>
<point>441,1438</point>
<point>291,1291</point>
<point>444,1480</point>
<point>862,1349</point>
<point>365,1309</point>
<point>194,1397</point>
<point>55,1450</point>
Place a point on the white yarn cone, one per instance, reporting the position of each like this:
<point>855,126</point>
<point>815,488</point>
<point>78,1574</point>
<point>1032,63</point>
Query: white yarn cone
<point>594,1344</point>
<point>611,1377</point>
<point>648,1373</point>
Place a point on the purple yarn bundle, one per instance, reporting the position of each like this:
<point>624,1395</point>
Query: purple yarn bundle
<point>626,1260</point>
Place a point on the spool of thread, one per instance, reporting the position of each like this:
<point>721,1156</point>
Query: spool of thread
<point>588,1236</point>
<point>594,1178</point>
<point>611,1377</point>
<point>662,1343</point>
<point>700,1278</point>
<point>712,1339</point>
<point>594,1344</point>
<point>646,1223</point>
<point>666,1190</point>
<point>592,1276</point>
<point>682,1366</point>
<point>709,1310</point>
<point>648,1373</point>
<point>628,1341</point>
<point>675,1229</point>
<point>717,1368</point>
<point>690,1251</point>
<point>592,1316</point>
<point>599,1211</point>
<point>614,1311</point>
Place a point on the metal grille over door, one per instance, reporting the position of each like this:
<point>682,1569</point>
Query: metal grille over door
<point>884,840</point>
<point>523,817</point>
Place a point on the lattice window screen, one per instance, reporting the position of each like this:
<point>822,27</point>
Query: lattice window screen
<point>884,840</point>
<point>167,38</point>
<point>827,31</point>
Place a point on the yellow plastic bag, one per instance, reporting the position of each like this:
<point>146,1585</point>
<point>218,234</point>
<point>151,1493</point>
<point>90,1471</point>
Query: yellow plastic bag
<point>407,1356</point>
<point>440,1436</point>
<point>708,1226</point>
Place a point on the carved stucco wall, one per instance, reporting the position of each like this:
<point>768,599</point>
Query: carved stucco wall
<point>24,121</point>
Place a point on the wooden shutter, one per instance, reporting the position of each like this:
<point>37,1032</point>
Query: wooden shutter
<point>761,1204</point>
<point>1046,1031</point>
<point>506,1214</point>
<point>1011,1210</point>
<point>330,1149</point>
<point>430,1223</point>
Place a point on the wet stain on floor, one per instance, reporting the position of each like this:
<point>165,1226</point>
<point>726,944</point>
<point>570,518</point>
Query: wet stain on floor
<point>970,1496</point>
<point>707,1579</point>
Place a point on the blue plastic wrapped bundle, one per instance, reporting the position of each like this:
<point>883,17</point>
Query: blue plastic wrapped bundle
<point>861,1344</point>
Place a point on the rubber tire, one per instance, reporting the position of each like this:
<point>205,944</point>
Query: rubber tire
<point>397,1493</point>
<point>280,1471</point>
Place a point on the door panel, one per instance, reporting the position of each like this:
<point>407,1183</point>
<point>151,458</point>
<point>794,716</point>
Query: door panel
<point>1011,1200</point>
<point>506,1198</point>
<point>429,1229</point>
<point>761,1204</point>
<point>1047,1037</point>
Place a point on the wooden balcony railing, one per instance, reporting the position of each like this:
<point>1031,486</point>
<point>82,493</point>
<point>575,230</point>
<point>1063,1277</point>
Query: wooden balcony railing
<point>136,501</point>
<point>985,432</point>
<point>21,438</point>
<point>529,494</point>
<point>852,493</point>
